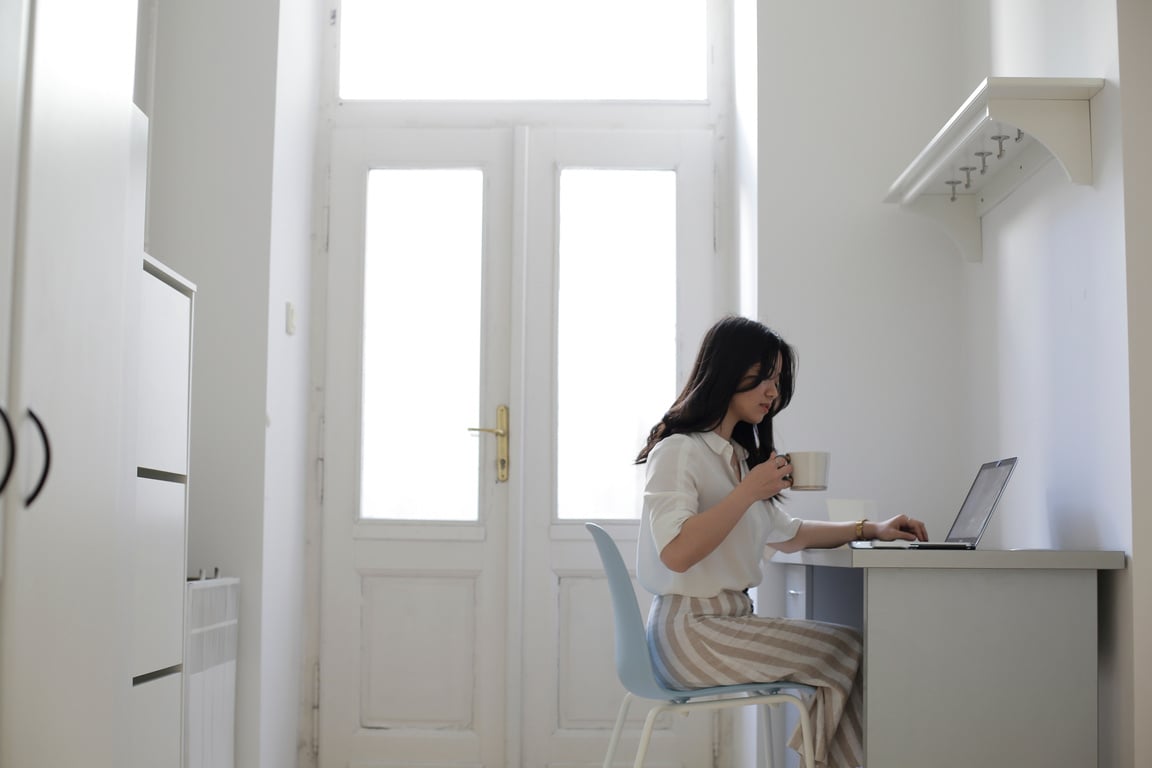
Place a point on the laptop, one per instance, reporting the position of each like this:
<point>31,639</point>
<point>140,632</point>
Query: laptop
<point>973,516</point>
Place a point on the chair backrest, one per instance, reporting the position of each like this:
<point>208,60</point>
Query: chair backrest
<point>633,659</point>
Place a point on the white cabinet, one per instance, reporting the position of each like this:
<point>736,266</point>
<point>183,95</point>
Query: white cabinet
<point>67,265</point>
<point>164,362</point>
<point>156,715</point>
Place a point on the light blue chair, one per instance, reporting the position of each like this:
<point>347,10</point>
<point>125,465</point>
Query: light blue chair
<point>634,667</point>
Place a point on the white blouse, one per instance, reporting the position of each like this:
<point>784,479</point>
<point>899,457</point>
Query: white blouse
<point>691,473</point>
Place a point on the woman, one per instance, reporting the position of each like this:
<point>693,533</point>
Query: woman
<point>711,503</point>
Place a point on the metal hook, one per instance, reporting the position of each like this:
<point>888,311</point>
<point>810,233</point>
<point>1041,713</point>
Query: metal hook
<point>983,155</point>
<point>1000,144</point>
<point>968,175</point>
<point>952,183</point>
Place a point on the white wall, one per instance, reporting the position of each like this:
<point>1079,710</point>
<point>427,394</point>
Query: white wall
<point>912,358</point>
<point>869,295</point>
<point>1053,280</point>
<point>1056,272</point>
<point>286,456</point>
<point>1054,260</point>
<point>230,208</point>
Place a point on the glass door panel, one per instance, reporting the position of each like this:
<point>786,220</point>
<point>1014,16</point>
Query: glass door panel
<point>421,358</point>
<point>616,346</point>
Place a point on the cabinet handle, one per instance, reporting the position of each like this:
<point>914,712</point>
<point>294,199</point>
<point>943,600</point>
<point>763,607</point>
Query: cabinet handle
<point>11,451</point>
<point>795,593</point>
<point>47,459</point>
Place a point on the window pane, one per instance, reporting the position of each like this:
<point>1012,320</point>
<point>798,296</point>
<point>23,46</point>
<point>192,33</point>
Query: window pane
<point>617,334</point>
<point>524,49</point>
<point>421,345</point>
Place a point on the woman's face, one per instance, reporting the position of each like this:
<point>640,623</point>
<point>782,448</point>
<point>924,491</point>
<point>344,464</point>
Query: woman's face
<point>752,405</point>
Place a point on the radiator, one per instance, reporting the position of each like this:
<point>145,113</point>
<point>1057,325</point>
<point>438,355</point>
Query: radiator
<point>210,646</point>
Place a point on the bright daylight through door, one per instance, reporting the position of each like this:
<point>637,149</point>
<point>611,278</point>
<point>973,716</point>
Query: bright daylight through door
<point>421,379</point>
<point>524,49</point>
<point>616,351</point>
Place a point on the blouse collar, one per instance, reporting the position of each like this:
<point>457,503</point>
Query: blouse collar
<point>720,446</point>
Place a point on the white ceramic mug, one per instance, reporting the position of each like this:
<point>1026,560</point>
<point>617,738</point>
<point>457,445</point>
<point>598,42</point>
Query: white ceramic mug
<point>809,470</point>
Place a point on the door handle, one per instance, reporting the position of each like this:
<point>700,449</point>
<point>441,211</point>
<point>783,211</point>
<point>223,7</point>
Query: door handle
<point>47,459</point>
<point>11,462</point>
<point>501,432</point>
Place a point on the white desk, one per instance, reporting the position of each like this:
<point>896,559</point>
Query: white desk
<point>970,658</point>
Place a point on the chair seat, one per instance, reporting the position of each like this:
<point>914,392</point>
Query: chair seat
<point>755,689</point>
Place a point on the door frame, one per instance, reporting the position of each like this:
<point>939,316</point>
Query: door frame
<point>716,115</point>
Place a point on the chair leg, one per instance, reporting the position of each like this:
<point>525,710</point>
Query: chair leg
<point>615,740</point>
<point>806,733</point>
<point>646,735</point>
<point>764,717</point>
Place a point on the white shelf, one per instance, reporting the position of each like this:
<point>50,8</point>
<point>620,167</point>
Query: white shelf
<point>1039,118</point>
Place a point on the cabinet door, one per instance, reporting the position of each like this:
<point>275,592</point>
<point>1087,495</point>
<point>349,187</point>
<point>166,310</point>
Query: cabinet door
<point>64,608</point>
<point>162,399</point>
<point>795,591</point>
<point>158,576</point>
<point>156,723</point>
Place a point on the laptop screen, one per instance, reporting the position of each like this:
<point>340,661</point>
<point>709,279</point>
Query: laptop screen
<point>981,500</point>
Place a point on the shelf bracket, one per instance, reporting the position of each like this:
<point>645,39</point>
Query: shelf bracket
<point>958,219</point>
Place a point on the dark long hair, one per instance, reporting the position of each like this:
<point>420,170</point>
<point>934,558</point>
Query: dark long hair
<point>730,348</point>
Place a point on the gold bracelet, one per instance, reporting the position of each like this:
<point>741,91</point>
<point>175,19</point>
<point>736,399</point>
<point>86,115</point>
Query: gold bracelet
<point>860,529</point>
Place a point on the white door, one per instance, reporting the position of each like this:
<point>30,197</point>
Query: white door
<point>620,284</point>
<point>413,573</point>
<point>464,618</point>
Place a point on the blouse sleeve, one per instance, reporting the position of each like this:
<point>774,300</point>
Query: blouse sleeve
<point>670,494</point>
<point>781,525</point>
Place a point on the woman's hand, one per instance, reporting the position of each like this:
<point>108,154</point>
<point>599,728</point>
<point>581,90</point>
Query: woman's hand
<point>820,534</point>
<point>901,527</point>
<point>768,478</point>
<point>701,533</point>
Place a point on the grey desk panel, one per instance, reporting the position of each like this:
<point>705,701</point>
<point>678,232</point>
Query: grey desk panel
<point>980,667</point>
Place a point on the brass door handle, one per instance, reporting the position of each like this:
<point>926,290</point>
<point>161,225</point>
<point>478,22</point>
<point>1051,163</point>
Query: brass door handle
<point>501,432</point>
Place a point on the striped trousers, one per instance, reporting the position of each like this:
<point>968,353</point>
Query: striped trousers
<point>697,642</point>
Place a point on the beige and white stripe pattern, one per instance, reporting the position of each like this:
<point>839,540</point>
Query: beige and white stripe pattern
<point>697,642</point>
